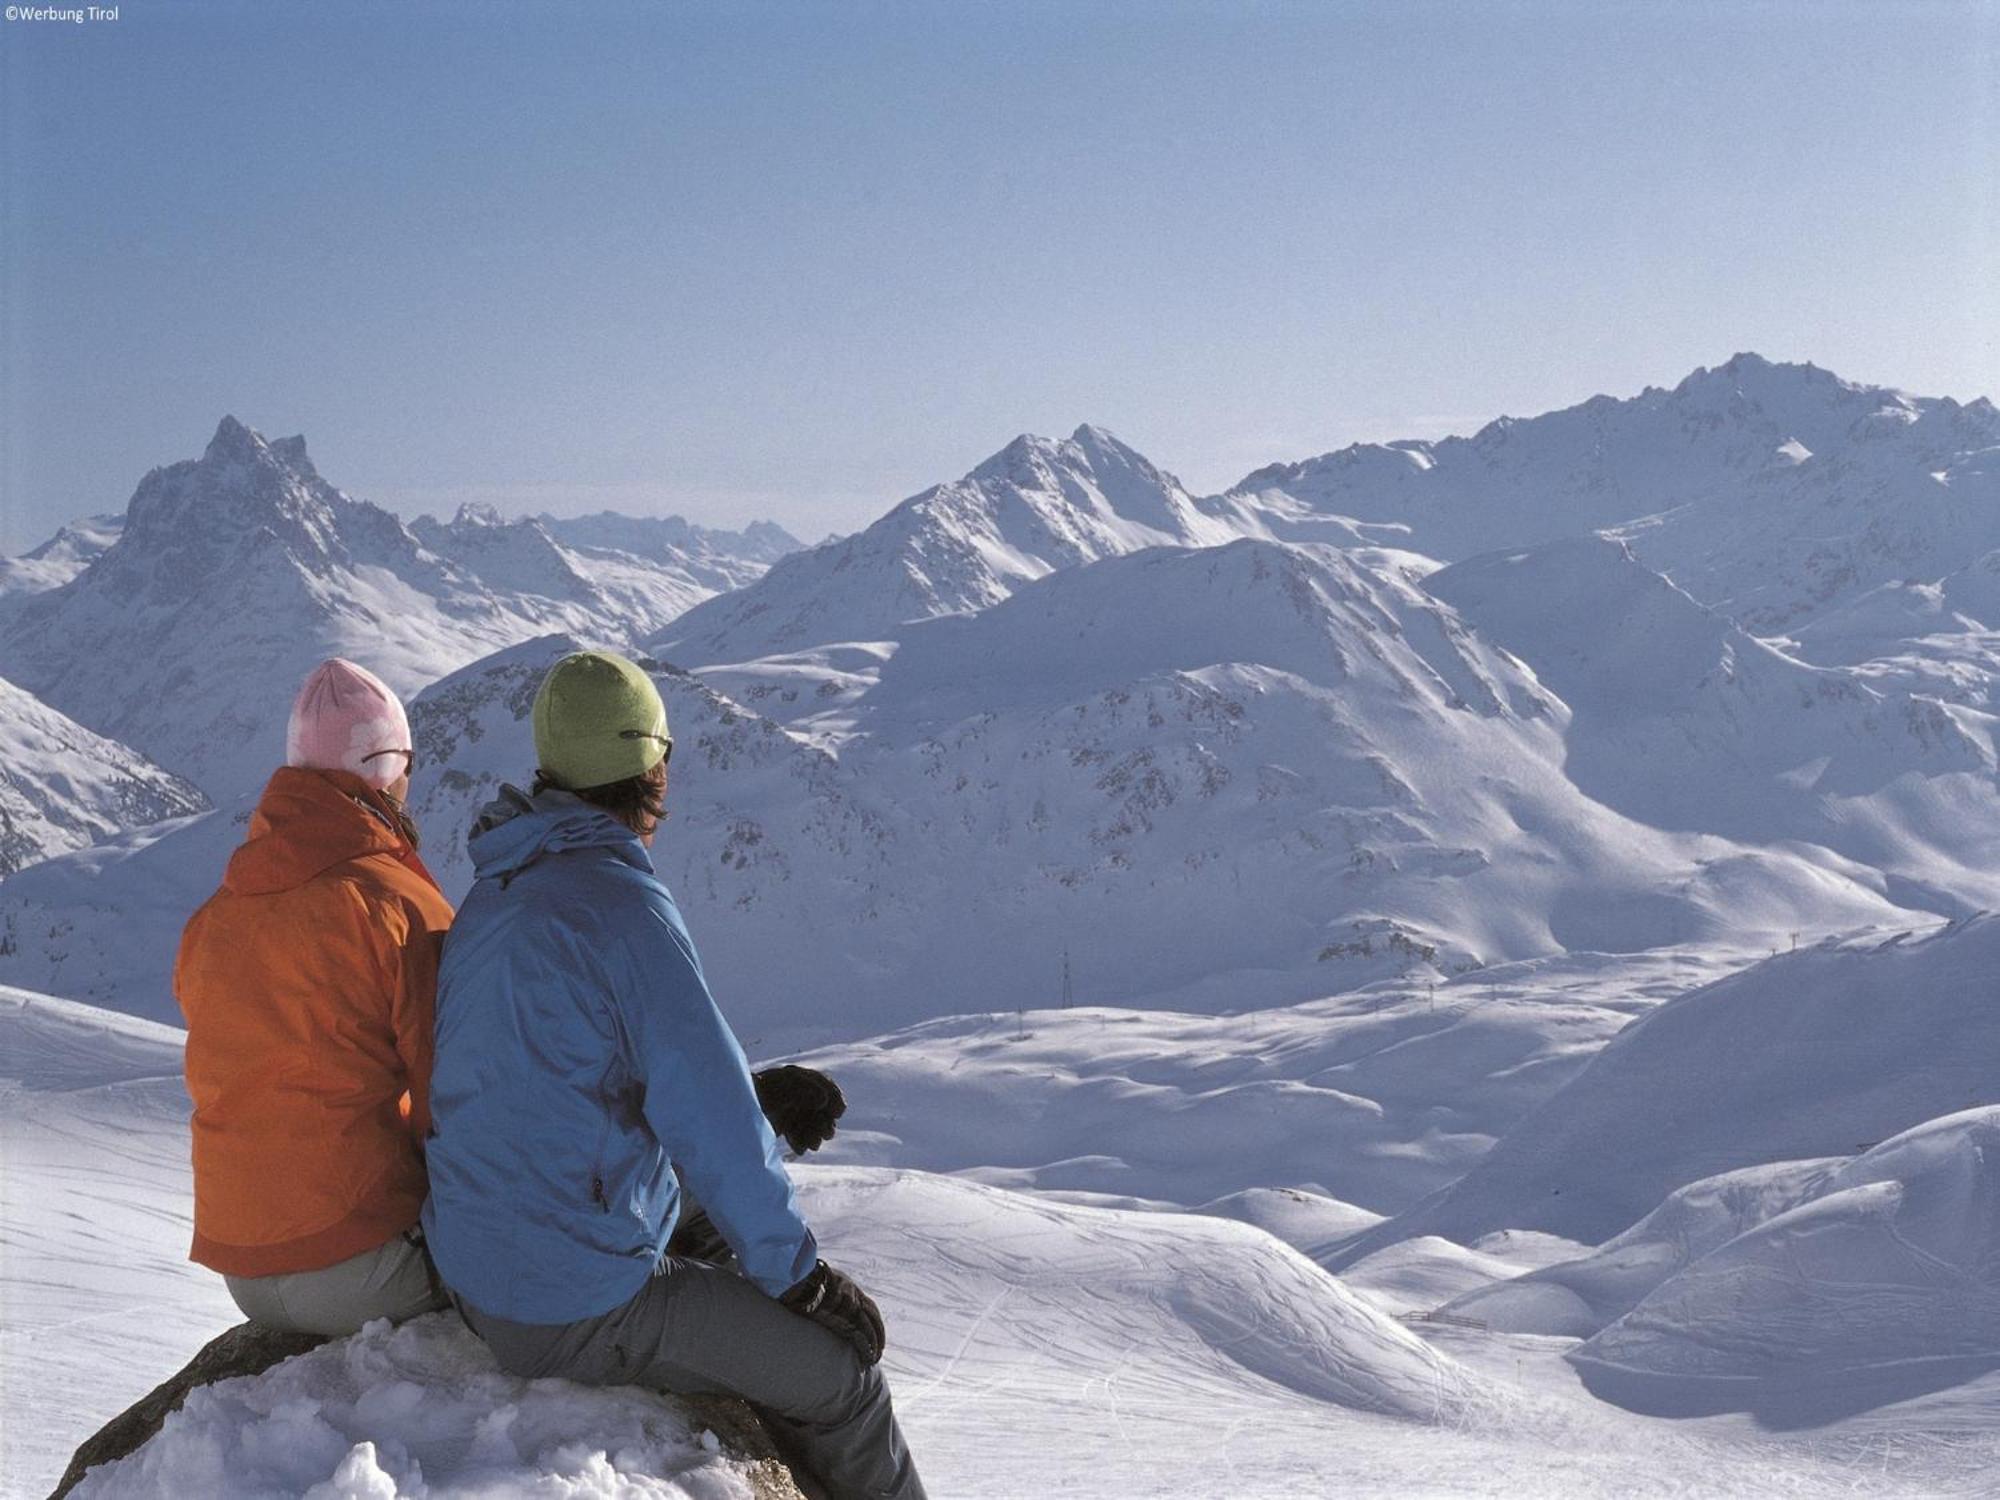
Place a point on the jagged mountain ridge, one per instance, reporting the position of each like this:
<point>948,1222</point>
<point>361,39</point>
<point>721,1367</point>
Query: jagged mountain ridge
<point>643,571</point>
<point>1281,771</point>
<point>235,572</point>
<point>1036,506</point>
<point>1767,490</point>
<point>1263,799</point>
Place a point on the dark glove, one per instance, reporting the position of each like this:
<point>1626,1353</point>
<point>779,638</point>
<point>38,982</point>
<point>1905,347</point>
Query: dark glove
<point>800,1103</point>
<point>836,1303</point>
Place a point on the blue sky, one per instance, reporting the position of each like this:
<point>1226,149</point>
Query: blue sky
<point>801,261</point>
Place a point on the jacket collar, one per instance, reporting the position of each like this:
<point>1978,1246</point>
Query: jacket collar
<point>518,828</point>
<point>308,821</point>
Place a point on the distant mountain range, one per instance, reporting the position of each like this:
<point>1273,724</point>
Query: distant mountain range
<point>187,632</point>
<point>1708,665</point>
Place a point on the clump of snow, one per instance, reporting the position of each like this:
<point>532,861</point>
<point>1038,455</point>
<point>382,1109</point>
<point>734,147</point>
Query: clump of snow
<point>421,1411</point>
<point>1415,1276</point>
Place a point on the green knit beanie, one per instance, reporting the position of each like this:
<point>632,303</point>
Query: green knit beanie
<point>598,719</point>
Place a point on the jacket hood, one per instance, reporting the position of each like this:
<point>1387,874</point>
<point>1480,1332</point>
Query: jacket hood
<point>516,829</point>
<point>307,822</point>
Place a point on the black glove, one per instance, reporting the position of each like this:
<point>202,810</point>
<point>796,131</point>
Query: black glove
<point>833,1301</point>
<point>800,1103</point>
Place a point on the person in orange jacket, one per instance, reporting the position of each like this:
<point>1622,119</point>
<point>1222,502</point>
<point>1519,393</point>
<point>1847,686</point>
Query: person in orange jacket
<point>308,982</point>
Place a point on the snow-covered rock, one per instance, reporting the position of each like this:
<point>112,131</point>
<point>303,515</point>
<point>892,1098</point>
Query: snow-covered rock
<point>422,1409</point>
<point>63,787</point>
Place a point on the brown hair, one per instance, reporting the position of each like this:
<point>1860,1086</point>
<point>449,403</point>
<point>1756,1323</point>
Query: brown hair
<point>639,802</point>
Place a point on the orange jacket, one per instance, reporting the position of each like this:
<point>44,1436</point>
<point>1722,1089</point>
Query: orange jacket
<point>309,985</point>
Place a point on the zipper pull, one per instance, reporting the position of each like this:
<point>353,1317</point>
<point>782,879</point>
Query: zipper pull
<point>597,1193</point>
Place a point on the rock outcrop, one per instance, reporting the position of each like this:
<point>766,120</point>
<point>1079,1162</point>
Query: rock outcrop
<point>248,1350</point>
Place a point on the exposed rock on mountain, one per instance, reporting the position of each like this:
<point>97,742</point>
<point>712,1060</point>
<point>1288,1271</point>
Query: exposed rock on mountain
<point>63,787</point>
<point>234,573</point>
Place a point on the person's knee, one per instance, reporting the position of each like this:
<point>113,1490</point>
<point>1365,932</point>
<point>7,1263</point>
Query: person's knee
<point>849,1393</point>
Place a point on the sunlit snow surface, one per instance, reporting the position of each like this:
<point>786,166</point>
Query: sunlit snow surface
<point>1036,1346</point>
<point>1332,1032</point>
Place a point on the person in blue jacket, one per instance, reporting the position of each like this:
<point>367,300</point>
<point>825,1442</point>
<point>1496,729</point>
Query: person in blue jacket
<point>585,1083</point>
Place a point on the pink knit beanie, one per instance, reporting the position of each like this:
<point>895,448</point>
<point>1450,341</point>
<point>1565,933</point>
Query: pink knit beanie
<point>344,719</point>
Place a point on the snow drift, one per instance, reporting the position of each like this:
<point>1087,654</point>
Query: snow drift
<point>1810,1054</point>
<point>1890,1263</point>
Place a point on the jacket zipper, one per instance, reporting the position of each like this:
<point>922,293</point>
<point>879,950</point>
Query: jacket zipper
<point>597,1193</point>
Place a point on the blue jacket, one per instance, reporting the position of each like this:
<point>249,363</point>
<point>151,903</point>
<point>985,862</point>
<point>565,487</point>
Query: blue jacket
<point>580,1063</point>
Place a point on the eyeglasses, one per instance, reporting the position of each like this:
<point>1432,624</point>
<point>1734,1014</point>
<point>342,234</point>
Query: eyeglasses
<point>409,759</point>
<point>640,734</point>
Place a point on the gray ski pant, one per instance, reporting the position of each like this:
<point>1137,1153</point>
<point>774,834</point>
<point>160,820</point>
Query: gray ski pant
<point>393,1281</point>
<point>698,1329</point>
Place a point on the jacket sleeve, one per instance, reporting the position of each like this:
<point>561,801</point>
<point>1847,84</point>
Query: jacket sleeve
<point>413,1014</point>
<point>405,948</point>
<point>700,1104</point>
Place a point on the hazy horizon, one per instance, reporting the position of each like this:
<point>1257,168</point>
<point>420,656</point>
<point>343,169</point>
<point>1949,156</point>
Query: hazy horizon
<point>792,263</point>
<point>638,500</point>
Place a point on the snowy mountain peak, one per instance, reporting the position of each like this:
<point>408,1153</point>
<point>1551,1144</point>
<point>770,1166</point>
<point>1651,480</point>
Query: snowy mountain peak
<point>235,572</point>
<point>1757,389</point>
<point>477,513</point>
<point>1768,490</point>
<point>237,446</point>
<point>231,436</point>
<point>1038,505</point>
<point>242,492</point>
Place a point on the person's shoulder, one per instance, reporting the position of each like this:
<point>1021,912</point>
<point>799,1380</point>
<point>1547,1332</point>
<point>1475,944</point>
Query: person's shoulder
<point>629,910</point>
<point>382,881</point>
